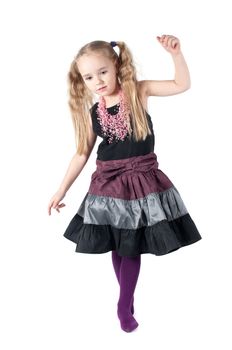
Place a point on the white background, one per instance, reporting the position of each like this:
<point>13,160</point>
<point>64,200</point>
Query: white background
<point>53,297</point>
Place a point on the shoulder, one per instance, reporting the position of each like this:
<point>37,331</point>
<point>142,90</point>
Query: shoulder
<point>93,109</point>
<point>141,86</point>
<point>142,92</point>
<point>93,118</point>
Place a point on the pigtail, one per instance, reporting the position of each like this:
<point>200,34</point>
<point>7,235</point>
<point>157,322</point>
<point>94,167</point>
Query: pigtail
<point>128,80</point>
<point>80,102</point>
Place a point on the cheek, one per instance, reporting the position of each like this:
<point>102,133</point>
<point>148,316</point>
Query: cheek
<point>88,83</point>
<point>110,78</point>
<point>88,86</point>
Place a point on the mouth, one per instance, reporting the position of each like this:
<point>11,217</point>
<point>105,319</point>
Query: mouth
<point>101,89</point>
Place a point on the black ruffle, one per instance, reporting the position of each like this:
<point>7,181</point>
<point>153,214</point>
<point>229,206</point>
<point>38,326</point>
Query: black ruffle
<point>161,238</point>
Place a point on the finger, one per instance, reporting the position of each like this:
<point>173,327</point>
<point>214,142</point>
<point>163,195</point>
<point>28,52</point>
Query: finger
<point>171,38</point>
<point>175,43</point>
<point>168,40</point>
<point>61,205</point>
<point>49,209</point>
<point>165,40</point>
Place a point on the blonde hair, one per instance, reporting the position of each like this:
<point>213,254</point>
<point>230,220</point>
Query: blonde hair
<point>81,99</point>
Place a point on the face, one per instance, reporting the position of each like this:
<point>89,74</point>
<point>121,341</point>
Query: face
<point>98,71</point>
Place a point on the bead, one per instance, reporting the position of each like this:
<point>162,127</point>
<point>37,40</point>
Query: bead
<point>115,127</point>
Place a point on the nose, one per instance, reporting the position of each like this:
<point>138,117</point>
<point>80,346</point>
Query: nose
<point>99,83</point>
<point>98,80</point>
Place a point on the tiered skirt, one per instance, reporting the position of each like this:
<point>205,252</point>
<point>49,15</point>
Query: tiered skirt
<point>132,207</point>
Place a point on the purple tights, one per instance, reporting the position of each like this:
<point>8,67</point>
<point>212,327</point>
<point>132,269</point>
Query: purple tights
<point>127,271</point>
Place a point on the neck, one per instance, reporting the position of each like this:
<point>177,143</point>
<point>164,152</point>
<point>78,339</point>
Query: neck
<point>112,99</point>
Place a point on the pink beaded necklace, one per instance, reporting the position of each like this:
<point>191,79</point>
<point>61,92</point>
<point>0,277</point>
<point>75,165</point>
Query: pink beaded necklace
<point>114,126</point>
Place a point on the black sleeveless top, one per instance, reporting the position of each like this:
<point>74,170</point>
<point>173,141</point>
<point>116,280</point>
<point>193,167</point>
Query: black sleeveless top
<point>119,149</point>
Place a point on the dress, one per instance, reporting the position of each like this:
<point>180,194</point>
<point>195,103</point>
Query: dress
<point>131,206</point>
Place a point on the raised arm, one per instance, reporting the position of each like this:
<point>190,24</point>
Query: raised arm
<point>180,83</point>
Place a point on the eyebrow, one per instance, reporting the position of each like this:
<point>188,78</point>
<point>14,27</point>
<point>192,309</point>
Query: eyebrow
<point>85,75</point>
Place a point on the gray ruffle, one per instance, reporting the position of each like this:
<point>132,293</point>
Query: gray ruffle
<point>132,214</point>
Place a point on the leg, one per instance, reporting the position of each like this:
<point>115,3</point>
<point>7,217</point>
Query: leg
<point>129,272</point>
<point>116,260</point>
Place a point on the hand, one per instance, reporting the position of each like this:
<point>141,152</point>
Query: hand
<point>170,43</point>
<point>54,202</point>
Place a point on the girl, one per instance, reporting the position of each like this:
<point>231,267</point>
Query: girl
<point>131,206</point>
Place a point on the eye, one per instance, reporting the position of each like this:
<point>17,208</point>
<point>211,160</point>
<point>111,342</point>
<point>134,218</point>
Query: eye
<point>105,71</point>
<point>88,78</point>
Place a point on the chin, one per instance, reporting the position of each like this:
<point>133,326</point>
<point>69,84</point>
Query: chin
<point>105,93</point>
